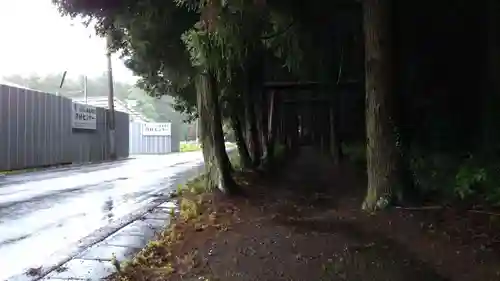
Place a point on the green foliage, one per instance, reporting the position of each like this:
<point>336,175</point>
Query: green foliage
<point>356,153</point>
<point>197,185</point>
<point>193,186</point>
<point>467,180</point>
<point>147,34</point>
<point>279,151</point>
<point>166,43</point>
<point>189,209</point>
<point>224,47</point>
<point>478,182</point>
<point>434,174</point>
<point>287,46</point>
<point>493,195</point>
<point>187,147</point>
<point>444,177</point>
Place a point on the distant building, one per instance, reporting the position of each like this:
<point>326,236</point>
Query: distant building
<point>122,106</point>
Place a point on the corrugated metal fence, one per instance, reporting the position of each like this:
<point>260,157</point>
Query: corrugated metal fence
<point>36,131</point>
<point>141,144</point>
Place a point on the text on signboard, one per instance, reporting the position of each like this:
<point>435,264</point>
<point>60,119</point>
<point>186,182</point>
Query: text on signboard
<point>84,116</point>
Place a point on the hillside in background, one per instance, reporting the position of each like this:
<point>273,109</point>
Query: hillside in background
<point>159,110</point>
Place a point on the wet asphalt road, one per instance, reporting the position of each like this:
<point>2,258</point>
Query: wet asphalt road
<point>46,212</point>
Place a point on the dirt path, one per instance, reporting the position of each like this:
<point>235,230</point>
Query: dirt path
<point>306,225</point>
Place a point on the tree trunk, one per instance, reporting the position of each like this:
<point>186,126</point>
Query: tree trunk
<point>282,124</point>
<point>323,125</point>
<point>264,122</point>
<point>312,124</point>
<point>491,96</point>
<point>217,164</point>
<point>245,160</point>
<point>293,128</point>
<point>334,137</point>
<point>259,112</point>
<point>324,128</point>
<point>381,151</point>
<point>317,124</point>
<point>251,119</point>
<point>272,127</point>
<point>287,132</point>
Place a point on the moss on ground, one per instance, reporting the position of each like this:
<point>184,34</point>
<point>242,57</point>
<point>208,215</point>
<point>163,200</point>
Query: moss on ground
<point>187,147</point>
<point>165,257</point>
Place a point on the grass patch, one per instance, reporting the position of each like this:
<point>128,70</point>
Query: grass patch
<point>13,172</point>
<point>194,186</point>
<point>189,209</point>
<point>187,147</point>
<point>171,255</point>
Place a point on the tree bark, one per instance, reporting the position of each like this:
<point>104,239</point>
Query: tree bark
<point>324,127</point>
<point>287,132</point>
<point>272,127</point>
<point>264,122</point>
<point>381,151</point>
<point>491,96</point>
<point>245,160</point>
<point>334,137</point>
<point>293,128</point>
<point>282,124</point>
<point>217,164</point>
<point>251,119</point>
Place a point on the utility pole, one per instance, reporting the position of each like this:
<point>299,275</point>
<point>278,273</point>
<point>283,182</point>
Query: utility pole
<point>85,95</point>
<point>197,130</point>
<point>111,104</point>
<point>62,81</point>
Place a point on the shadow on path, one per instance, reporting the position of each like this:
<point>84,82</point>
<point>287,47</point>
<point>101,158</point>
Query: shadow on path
<point>313,212</point>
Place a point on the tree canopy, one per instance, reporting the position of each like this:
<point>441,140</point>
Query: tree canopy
<point>377,79</point>
<point>155,108</point>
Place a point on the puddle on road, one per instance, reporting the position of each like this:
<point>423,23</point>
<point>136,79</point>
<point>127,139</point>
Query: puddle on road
<point>108,210</point>
<point>19,207</point>
<point>14,240</point>
<point>33,272</point>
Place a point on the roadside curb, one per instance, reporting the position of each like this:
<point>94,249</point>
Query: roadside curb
<point>82,260</point>
<point>98,261</point>
<point>147,217</point>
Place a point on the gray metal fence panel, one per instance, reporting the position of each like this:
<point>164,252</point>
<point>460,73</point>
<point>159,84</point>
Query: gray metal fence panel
<point>176,137</point>
<point>4,124</point>
<point>140,144</point>
<point>122,133</point>
<point>36,131</point>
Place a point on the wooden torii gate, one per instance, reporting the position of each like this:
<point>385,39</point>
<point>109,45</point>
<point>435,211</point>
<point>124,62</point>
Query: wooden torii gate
<point>297,118</point>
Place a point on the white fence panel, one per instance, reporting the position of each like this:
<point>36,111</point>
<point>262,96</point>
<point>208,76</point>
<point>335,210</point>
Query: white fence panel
<point>152,138</point>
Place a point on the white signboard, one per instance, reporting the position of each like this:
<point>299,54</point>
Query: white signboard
<point>156,129</point>
<point>84,117</point>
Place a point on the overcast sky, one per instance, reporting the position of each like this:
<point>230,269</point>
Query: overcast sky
<point>36,39</point>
